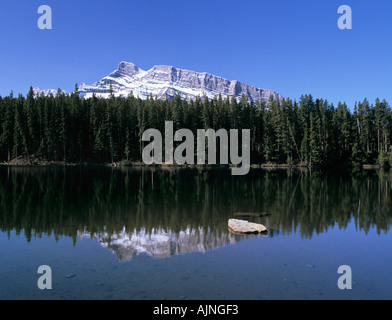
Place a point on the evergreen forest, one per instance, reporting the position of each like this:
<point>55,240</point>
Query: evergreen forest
<point>308,132</point>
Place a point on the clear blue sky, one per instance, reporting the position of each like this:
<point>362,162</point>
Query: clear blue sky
<point>293,47</point>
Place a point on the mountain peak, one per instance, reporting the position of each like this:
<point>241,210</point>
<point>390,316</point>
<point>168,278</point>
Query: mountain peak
<point>127,69</point>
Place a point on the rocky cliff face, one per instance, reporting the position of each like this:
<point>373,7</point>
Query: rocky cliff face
<point>167,82</point>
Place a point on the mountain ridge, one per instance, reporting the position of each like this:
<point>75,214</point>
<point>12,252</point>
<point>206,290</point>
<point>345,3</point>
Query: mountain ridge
<point>166,82</point>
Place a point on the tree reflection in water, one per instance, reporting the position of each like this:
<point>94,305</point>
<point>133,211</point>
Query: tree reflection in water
<point>165,212</point>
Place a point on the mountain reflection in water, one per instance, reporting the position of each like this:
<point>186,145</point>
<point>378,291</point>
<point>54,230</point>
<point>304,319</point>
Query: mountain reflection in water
<point>165,212</point>
<point>162,243</point>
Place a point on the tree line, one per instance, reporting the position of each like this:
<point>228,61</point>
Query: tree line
<point>309,132</point>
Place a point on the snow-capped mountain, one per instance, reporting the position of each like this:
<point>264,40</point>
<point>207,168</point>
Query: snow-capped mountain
<point>39,92</point>
<point>167,82</point>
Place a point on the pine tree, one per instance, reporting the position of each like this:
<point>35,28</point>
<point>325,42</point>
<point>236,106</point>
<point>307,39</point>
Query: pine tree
<point>31,115</point>
<point>314,144</point>
<point>63,120</point>
<point>7,128</point>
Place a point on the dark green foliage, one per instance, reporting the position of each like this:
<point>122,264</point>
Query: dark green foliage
<point>308,132</point>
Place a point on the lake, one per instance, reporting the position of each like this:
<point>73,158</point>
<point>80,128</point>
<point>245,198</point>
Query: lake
<point>146,234</point>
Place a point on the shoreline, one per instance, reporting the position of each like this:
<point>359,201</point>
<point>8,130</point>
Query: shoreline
<point>24,162</point>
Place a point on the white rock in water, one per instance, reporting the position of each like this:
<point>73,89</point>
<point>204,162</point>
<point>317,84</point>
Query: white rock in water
<point>242,226</point>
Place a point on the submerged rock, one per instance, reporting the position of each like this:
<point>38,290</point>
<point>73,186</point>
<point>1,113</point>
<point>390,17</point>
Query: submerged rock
<point>245,227</point>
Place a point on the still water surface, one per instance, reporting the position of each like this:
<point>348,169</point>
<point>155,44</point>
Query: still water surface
<point>162,234</point>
